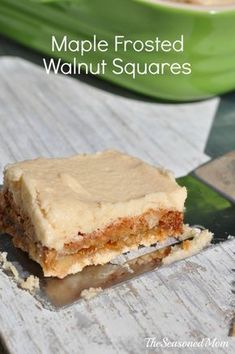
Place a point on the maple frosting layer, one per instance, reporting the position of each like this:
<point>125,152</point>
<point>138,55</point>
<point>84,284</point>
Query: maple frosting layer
<point>67,197</point>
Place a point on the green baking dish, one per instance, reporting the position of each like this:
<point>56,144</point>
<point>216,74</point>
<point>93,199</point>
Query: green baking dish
<point>209,44</point>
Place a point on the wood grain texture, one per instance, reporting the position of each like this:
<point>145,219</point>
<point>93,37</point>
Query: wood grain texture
<point>51,116</point>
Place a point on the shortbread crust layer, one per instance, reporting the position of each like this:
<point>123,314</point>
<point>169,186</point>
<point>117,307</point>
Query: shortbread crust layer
<point>94,248</point>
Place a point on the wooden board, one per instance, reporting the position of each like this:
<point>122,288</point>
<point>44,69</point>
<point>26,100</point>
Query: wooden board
<point>51,116</point>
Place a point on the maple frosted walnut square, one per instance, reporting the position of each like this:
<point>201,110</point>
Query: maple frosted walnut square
<point>68,213</point>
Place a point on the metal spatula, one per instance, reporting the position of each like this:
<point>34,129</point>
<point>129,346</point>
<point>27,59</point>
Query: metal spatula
<point>210,204</point>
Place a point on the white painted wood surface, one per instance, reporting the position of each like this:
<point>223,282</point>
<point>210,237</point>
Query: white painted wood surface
<point>56,116</point>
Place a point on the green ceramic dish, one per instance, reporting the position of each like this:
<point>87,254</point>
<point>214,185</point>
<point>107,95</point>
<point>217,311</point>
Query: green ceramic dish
<point>209,39</point>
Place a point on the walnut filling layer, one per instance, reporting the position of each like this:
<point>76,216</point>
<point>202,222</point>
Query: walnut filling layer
<point>95,248</point>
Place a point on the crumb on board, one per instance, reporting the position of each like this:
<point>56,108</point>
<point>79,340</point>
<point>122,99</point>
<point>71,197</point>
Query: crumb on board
<point>88,294</point>
<point>31,283</point>
<point>8,266</point>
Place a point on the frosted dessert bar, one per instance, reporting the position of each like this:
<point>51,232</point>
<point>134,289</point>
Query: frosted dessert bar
<point>68,213</point>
